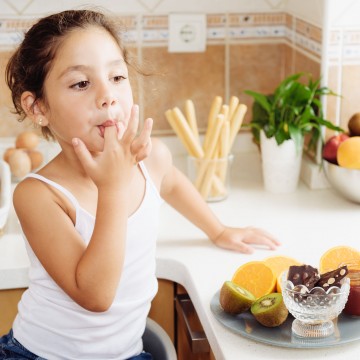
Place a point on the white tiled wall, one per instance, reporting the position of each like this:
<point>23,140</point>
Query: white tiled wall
<point>39,7</point>
<point>344,13</point>
<point>310,10</point>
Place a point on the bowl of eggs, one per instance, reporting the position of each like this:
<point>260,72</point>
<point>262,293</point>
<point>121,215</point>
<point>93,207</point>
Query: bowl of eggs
<point>24,156</point>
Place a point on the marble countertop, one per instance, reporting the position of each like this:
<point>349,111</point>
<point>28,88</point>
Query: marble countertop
<point>307,222</point>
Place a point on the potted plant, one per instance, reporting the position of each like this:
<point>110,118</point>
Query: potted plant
<point>283,119</point>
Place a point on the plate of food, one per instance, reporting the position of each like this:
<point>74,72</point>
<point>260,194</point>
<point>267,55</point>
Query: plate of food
<point>347,329</point>
<point>300,309</point>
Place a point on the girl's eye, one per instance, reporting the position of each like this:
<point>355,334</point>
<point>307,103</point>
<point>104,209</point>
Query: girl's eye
<point>118,78</point>
<point>81,85</point>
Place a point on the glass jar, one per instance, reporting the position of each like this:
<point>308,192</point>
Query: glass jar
<point>211,176</point>
<point>352,306</point>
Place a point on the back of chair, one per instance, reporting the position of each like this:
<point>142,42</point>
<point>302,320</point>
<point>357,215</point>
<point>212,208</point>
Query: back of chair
<point>157,342</point>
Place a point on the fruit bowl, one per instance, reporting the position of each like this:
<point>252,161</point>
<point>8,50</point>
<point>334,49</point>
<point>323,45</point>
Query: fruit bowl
<point>314,310</point>
<point>345,181</point>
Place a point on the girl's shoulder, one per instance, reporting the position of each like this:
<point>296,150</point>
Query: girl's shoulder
<point>31,192</point>
<point>28,189</point>
<point>159,150</point>
<point>159,162</point>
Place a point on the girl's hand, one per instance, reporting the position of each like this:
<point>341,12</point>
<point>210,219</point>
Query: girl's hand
<point>122,151</point>
<point>238,239</point>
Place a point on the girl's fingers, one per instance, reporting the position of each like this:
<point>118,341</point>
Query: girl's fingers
<point>243,248</point>
<point>143,152</point>
<point>132,126</point>
<point>120,130</point>
<point>141,146</point>
<point>269,239</point>
<point>82,153</point>
<point>258,237</point>
<point>111,137</point>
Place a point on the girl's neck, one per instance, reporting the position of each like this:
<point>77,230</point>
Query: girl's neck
<point>65,165</point>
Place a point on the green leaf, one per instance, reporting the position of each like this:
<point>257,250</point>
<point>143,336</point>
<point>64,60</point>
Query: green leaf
<point>280,136</point>
<point>329,124</point>
<point>261,99</point>
<point>297,136</point>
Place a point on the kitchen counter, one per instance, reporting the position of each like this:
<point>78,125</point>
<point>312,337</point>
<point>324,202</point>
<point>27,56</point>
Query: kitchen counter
<point>307,222</point>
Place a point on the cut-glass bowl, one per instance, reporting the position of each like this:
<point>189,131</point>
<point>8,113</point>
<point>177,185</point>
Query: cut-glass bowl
<point>314,310</point>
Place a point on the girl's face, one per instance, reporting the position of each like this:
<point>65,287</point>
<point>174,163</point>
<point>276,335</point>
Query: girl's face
<point>87,88</point>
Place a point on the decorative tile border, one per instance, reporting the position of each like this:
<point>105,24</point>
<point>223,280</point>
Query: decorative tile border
<point>256,32</point>
<point>345,45</point>
<point>309,31</point>
<point>155,29</point>
<point>256,19</point>
<point>152,30</point>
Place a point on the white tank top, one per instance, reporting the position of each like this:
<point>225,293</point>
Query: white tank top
<point>50,324</point>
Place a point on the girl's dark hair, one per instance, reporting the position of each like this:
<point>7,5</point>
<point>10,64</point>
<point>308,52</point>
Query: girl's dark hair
<point>29,65</point>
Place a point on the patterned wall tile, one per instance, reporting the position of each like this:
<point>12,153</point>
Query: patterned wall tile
<point>248,73</point>
<point>196,76</point>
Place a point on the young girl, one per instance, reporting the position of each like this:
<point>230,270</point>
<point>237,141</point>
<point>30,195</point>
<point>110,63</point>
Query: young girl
<point>90,216</point>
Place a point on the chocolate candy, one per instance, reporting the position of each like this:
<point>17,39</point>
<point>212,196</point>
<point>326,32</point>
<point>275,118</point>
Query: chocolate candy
<point>332,278</point>
<point>303,275</point>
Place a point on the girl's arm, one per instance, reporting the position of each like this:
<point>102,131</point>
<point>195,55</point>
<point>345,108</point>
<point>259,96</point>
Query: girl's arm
<point>180,193</point>
<point>88,274</point>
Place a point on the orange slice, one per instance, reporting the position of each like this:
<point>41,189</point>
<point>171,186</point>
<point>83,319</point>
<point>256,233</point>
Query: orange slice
<point>256,277</point>
<point>279,281</point>
<point>279,263</point>
<point>336,256</point>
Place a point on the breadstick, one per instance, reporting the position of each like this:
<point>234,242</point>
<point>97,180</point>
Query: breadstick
<point>225,111</point>
<point>235,123</point>
<point>210,151</point>
<point>217,186</point>
<point>224,152</point>
<point>225,139</point>
<point>207,180</point>
<point>191,118</point>
<point>172,121</point>
<point>181,121</point>
<point>214,136</point>
<point>234,102</point>
<point>214,111</point>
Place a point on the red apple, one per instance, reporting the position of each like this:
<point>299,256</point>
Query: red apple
<point>331,146</point>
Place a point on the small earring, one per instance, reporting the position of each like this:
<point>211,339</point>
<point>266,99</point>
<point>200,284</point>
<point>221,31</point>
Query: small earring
<point>40,121</point>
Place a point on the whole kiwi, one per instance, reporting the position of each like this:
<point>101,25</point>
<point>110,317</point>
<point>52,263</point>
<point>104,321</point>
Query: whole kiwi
<point>354,125</point>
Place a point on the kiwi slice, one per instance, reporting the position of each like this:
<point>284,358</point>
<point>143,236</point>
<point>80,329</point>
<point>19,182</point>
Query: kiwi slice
<point>270,310</point>
<point>234,299</point>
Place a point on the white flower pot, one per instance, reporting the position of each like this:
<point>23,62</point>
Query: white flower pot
<point>280,165</point>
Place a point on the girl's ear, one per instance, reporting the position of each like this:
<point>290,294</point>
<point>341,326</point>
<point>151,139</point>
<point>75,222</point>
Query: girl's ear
<point>33,109</point>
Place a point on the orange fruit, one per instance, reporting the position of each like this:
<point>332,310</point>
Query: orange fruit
<point>279,281</point>
<point>279,263</point>
<point>256,277</point>
<point>336,256</point>
<point>348,153</point>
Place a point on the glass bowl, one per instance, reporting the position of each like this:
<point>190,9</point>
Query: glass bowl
<point>314,310</point>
